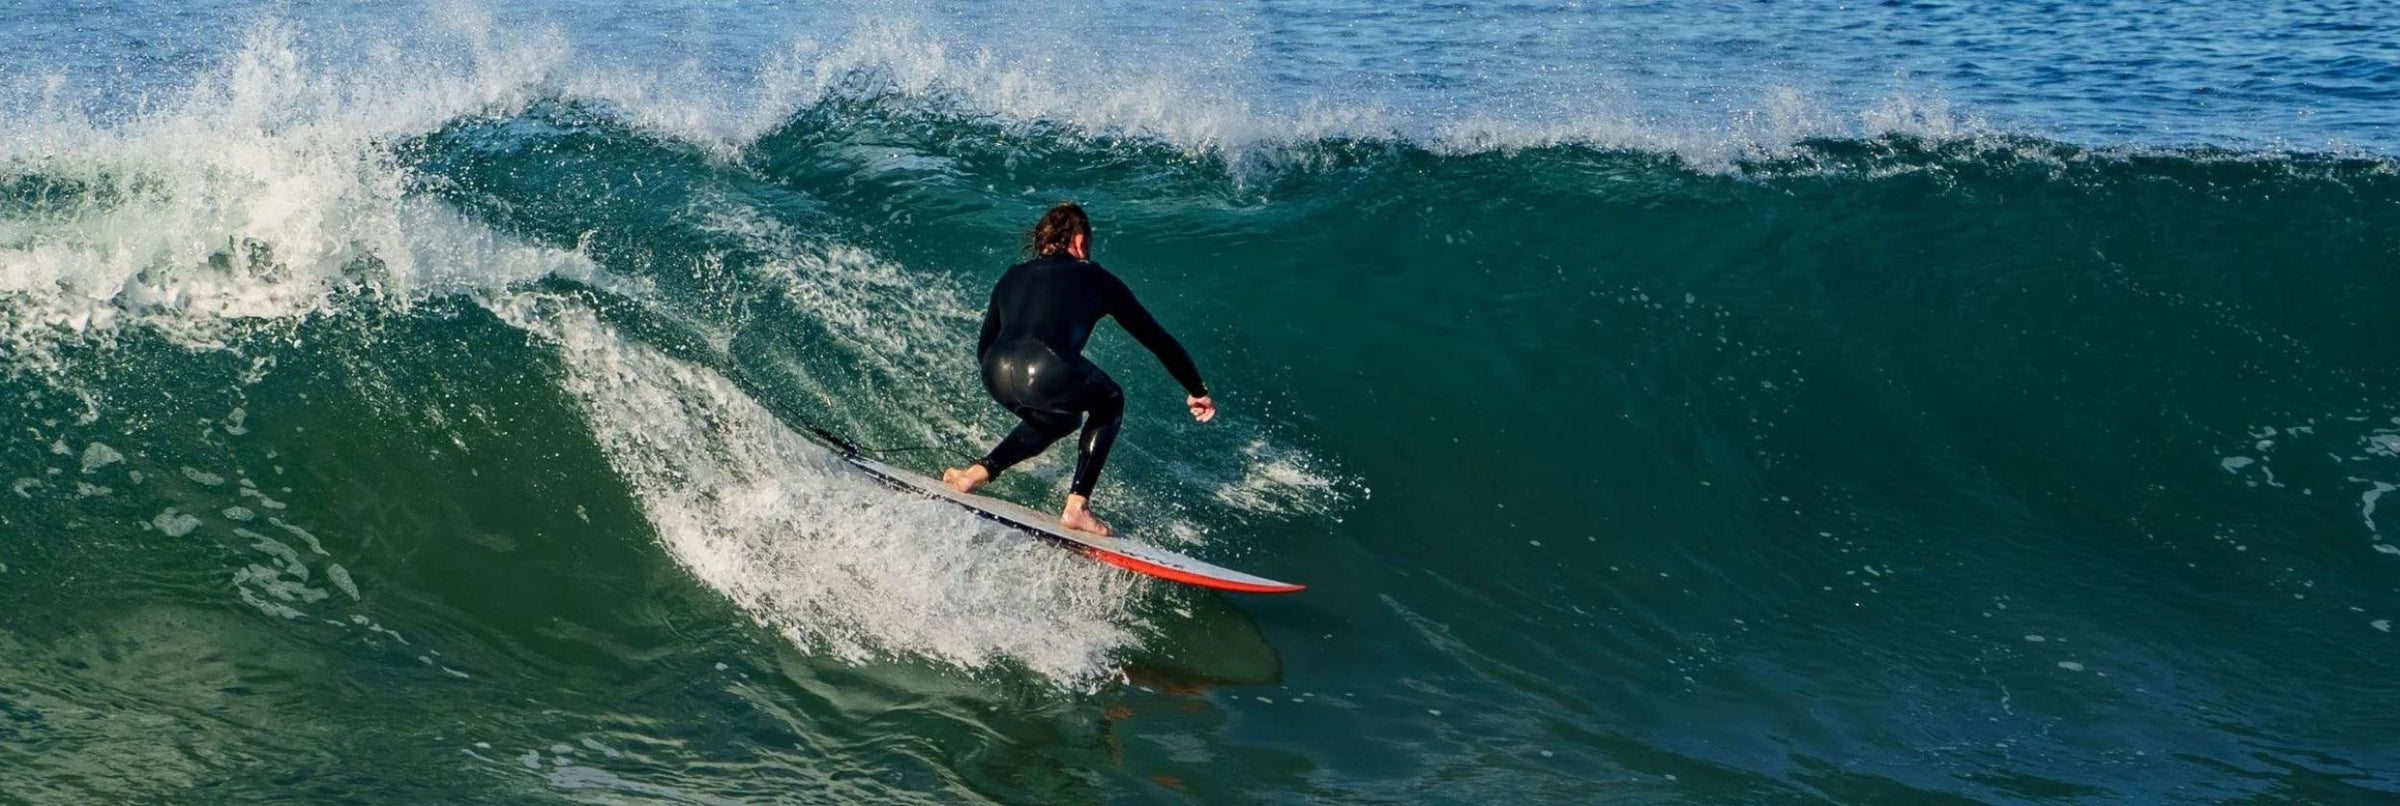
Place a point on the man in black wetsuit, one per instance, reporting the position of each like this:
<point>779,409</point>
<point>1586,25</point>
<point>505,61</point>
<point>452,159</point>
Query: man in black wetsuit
<point>1031,350</point>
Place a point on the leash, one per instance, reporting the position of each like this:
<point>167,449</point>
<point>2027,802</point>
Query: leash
<point>849,448</point>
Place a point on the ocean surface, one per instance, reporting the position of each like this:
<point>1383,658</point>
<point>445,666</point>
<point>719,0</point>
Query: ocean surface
<point>1716,402</point>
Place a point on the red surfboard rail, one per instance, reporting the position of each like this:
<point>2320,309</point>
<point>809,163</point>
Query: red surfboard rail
<point>1185,577</point>
<point>1131,555</point>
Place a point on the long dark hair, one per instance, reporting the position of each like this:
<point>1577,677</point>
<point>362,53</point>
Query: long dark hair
<point>1057,230</point>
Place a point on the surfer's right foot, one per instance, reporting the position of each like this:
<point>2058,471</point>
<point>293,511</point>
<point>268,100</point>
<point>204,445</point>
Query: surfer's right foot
<point>966,480</point>
<point>1078,516</point>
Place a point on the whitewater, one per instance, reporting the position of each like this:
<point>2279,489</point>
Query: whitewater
<point>1920,403</point>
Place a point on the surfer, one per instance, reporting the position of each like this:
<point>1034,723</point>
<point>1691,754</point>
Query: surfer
<point>1031,351</point>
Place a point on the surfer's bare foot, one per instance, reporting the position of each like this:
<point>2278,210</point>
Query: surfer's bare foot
<point>1078,516</point>
<point>967,480</point>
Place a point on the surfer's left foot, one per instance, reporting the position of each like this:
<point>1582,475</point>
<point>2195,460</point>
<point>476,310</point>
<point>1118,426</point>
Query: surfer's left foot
<point>967,480</point>
<point>1078,516</point>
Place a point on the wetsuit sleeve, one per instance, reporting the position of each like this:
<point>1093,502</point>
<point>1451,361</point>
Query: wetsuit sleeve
<point>1145,329</point>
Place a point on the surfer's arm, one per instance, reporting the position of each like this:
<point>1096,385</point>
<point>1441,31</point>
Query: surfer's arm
<point>1145,329</point>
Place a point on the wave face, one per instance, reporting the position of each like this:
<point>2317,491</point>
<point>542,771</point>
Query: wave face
<point>417,407</point>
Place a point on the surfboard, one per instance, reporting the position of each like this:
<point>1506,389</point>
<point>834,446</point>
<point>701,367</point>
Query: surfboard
<point>1130,555</point>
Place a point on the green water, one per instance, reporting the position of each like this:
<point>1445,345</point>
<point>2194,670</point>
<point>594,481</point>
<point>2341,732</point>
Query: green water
<point>1879,469</point>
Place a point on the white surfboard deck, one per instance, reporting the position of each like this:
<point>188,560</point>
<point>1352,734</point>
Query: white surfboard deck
<point>1130,555</point>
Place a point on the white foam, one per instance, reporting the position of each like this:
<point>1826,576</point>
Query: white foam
<point>175,524</point>
<point>2367,501</point>
<point>1167,91</point>
<point>809,546</point>
<point>1769,126</point>
<point>1281,481</point>
<point>290,558</point>
<point>314,545</point>
<point>96,456</point>
<point>2383,444</point>
<point>242,589</point>
<point>264,190</point>
<point>340,577</point>
<point>902,327</point>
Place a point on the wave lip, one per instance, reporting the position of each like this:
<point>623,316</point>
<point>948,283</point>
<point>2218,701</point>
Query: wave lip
<point>264,190</point>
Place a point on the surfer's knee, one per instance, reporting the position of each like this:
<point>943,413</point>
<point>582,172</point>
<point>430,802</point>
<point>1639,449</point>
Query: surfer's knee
<point>1104,400</point>
<point>1052,425</point>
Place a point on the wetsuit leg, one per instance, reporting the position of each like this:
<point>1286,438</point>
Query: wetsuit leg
<point>1105,404</point>
<point>1031,437</point>
<point>1053,395</point>
<point>1039,387</point>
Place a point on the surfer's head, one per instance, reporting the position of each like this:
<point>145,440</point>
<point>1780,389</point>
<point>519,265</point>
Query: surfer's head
<point>1064,230</point>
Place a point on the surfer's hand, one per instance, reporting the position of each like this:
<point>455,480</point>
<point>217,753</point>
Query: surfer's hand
<point>1203,409</point>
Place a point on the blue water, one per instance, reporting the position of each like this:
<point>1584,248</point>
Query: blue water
<point>2313,76</point>
<point>1676,403</point>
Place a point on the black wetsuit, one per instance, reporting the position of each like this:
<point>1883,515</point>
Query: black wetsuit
<point>1031,350</point>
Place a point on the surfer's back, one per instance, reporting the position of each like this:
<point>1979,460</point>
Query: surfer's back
<point>1052,299</point>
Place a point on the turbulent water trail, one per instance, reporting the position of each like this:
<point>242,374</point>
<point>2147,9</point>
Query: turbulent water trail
<point>811,547</point>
